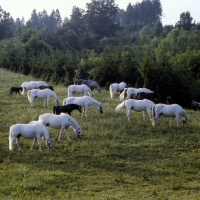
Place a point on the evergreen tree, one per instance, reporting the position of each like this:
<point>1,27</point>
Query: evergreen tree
<point>101,18</point>
<point>185,21</point>
<point>35,19</point>
<point>5,23</point>
<point>77,21</point>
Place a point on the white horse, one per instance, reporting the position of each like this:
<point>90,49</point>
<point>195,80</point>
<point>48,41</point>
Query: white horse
<point>32,85</point>
<point>115,87</point>
<point>144,105</point>
<point>62,121</point>
<point>84,102</point>
<point>42,94</point>
<point>132,92</point>
<point>34,130</point>
<point>173,110</point>
<point>81,89</point>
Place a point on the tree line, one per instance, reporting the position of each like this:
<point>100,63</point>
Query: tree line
<point>107,44</point>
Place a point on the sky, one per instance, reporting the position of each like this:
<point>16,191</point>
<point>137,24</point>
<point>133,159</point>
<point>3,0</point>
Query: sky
<point>171,8</point>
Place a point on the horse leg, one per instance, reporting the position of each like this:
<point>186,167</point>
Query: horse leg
<point>32,102</point>
<point>160,121</point>
<point>83,112</point>
<point>33,143</point>
<point>128,114</point>
<point>144,114</point>
<point>177,120</point>
<point>46,102</point>
<point>172,119</point>
<point>67,134</point>
<point>149,113</point>
<point>86,110</point>
<point>18,143</point>
<point>39,143</point>
<point>61,130</point>
<point>113,93</point>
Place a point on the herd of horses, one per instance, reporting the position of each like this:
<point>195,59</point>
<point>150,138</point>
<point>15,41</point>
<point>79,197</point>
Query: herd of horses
<point>137,99</point>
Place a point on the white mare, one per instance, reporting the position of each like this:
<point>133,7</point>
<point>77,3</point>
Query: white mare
<point>85,102</point>
<point>144,105</point>
<point>132,92</point>
<point>32,85</point>
<point>173,111</point>
<point>81,89</point>
<point>34,130</point>
<point>115,87</point>
<point>62,121</point>
<point>42,94</point>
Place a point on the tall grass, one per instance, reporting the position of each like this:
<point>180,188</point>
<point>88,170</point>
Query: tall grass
<point>115,159</point>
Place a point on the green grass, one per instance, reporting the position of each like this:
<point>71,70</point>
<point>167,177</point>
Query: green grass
<point>115,159</point>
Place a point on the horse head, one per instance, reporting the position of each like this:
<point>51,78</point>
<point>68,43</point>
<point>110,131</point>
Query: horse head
<point>99,89</point>
<point>79,132</point>
<point>79,108</point>
<point>100,109</point>
<point>49,143</point>
<point>91,94</point>
<point>184,120</point>
<point>58,101</point>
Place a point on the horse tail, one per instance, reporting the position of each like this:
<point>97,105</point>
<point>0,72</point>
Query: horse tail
<point>121,105</point>
<point>10,138</point>
<point>68,91</point>
<point>153,115</point>
<point>111,90</point>
<point>29,95</point>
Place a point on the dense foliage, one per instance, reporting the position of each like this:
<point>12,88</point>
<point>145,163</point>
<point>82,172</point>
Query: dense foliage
<point>107,44</point>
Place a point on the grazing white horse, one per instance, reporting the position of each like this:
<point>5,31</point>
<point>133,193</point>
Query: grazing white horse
<point>173,111</point>
<point>144,105</point>
<point>81,89</point>
<point>42,94</point>
<point>32,85</point>
<point>115,87</point>
<point>62,121</point>
<point>132,92</point>
<point>84,102</point>
<point>34,130</point>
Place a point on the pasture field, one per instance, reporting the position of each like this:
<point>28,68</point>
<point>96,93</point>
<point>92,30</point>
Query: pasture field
<point>115,159</point>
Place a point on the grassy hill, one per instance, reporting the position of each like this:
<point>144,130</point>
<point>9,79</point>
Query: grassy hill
<point>115,159</point>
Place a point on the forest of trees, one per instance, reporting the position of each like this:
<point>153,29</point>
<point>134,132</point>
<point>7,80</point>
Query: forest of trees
<point>107,44</point>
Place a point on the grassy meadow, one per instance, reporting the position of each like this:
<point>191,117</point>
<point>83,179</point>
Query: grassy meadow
<point>115,159</point>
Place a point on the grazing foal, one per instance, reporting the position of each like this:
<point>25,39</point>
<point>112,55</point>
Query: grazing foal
<point>66,109</point>
<point>16,90</point>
